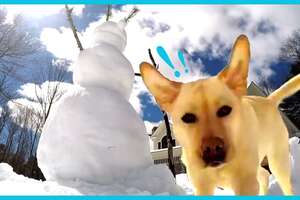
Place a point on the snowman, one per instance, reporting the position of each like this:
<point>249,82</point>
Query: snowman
<point>95,136</point>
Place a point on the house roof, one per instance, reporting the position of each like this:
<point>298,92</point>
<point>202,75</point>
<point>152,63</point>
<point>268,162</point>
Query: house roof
<point>160,132</point>
<point>254,89</point>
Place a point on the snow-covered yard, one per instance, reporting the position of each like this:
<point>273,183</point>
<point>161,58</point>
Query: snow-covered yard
<point>148,184</point>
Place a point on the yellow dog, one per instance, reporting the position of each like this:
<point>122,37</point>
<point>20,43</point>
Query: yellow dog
<point>224,133</point>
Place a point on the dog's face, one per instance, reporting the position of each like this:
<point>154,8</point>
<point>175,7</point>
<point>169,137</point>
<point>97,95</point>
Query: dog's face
<point>205,113</point>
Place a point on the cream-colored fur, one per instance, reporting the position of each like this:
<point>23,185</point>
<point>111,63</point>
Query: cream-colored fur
<point>252,131</point>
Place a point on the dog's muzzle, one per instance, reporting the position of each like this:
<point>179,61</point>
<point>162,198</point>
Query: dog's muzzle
<point>213,151</point>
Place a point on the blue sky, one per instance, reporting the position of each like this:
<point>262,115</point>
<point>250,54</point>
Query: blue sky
<point>206,33</point>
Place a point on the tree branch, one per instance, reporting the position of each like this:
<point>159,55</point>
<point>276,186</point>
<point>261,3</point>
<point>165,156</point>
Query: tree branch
<point>152,59</point>
<point>74,30</point>
<point>108,12</point>
<point>133,12</point>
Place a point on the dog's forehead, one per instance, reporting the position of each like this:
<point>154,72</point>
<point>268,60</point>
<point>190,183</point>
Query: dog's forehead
<point>210,90</point>
<point>204,86</point>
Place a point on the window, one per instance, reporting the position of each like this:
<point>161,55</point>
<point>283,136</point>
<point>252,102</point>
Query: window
<point>164,142</point>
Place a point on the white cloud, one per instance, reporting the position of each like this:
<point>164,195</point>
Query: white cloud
<point>60,42</point>
<point>134,99</point>
<point>138,88</point>
<point>30,93</point>
<point>150,126</point>
<point>39,11</point>
<point>195,28</point>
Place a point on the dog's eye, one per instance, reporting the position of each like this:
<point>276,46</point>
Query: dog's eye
<point>224,111</point>
<point>189,118</point>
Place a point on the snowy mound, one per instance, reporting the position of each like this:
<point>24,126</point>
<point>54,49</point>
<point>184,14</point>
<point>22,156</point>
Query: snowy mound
<point>13,184</point>
<point>149,182</point>
<point>94,141</point>
<point>88,140</point>
<point>183,181</point>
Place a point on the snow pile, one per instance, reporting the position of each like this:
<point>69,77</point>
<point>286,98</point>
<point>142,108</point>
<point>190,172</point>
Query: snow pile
<point>152,177</point>
<point>13,184</point>
<point>183,181</point>
<point>274,189</point>
<point>95,137</point>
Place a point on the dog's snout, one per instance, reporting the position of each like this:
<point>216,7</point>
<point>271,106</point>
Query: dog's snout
<point>213,151</point>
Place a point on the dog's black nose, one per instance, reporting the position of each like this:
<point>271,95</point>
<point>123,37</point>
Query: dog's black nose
<point>213,151</point>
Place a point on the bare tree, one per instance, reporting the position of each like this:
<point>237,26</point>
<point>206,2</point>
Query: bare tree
<point>23,119</point>
<point>6,93</point>
<point>15,43</point>
<point>290,50</point>
<point>53,76</point>
<point>265,85</point>
<point>12,129</point>
<point>4,117</point>
<point>32,117</point>
<point>24,130</point>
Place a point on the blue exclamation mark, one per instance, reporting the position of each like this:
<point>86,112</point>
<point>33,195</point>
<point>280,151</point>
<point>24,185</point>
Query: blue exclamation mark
<point>163,54</point>
<point>181,58</point>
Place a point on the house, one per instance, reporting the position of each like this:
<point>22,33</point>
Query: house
<point>159,145</point>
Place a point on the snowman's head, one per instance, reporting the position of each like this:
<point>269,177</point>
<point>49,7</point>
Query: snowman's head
<point>112,33</point>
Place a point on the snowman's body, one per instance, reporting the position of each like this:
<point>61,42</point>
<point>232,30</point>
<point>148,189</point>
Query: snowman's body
<point>104,66</point>
<point>95,135</point>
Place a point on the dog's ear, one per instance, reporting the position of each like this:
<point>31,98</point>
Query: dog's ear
<point>164,90</point>
<point>236,73</point>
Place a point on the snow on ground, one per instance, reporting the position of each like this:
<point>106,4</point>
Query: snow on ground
<point>274,189</point>
<point>183,181</point>
<point>13,184</point>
